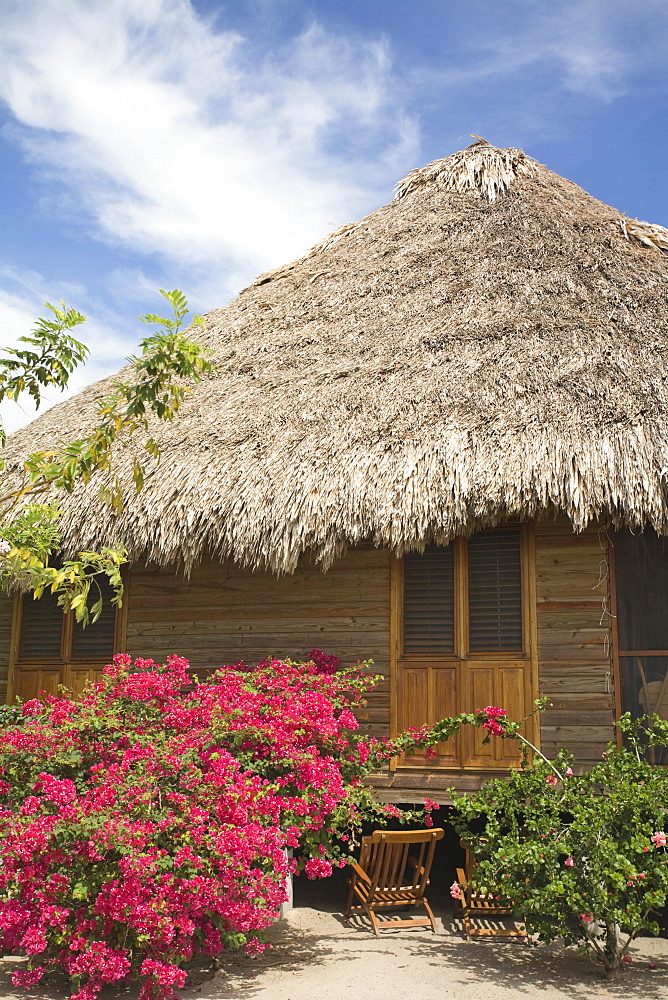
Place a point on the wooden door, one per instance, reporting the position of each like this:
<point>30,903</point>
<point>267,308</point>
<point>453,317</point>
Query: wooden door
<point>463,642</point>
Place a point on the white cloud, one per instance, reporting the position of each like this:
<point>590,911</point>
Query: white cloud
<point>584,41</point>
<point>154,130</point>
<point>182,141</point>
<point>582,47</point>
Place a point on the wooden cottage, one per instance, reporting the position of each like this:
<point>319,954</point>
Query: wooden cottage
<point>439,440</point>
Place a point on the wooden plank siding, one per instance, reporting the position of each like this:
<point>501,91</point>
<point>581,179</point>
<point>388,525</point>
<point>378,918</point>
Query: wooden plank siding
<point>223,614</point>
<point>574,639</point>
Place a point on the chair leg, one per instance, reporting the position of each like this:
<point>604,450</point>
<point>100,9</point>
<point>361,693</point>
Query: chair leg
<point>429,914</point>
<point>351,893</point>
<point>374,921</point>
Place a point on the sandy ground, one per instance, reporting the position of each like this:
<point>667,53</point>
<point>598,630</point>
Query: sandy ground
<point>318,955</point>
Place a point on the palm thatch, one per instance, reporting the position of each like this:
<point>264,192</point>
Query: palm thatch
<point>492,344</point>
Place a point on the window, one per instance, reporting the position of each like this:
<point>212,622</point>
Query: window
<point>495,592</point>
<point>49,635</point>
<point>483,576</point>
<point>641,584</point>
<point>429,601</point>
<point>51,648</point>
<point>462,640</point>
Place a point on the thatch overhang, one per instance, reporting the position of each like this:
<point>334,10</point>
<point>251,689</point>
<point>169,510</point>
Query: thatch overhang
<point>492,344</point>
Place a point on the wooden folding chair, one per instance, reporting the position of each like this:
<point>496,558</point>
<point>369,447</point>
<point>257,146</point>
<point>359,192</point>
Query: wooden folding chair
<point>475,906</point>
<point>653,694</point>
<point>393,871</point>
<point>653,698</point>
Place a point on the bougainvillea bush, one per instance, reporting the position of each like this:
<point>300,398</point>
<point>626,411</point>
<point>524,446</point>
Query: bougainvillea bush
<point>579,856</point>
<point>148,821</point>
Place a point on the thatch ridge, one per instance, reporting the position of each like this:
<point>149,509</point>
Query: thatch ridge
<point>448,362</point>
<point>480,167</point>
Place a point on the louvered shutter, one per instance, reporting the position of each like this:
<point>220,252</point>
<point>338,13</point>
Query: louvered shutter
<point>96,640</point>
<point>429,601</point>
<point>495,592</point>
<point>41,628</point>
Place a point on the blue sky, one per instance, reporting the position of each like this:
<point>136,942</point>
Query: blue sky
<point>194,144</point>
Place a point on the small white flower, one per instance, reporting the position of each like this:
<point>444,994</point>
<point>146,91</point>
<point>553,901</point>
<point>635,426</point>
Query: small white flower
<point>5,547</point>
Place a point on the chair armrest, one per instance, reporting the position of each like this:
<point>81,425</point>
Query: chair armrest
<point>463,884</point>
<point>360,872</point>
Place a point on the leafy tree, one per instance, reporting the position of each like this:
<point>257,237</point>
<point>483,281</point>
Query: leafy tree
<point>580,857</point>
<point>28,517</point>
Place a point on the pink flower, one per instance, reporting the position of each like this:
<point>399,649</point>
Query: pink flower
<point>658,839</point>
<point>190,817</point>
<point>317,868</point>
<point>493,718</point>
<point>28,977</point>
<point>166,975</point>
<point>324,664</point>
<point>493,727</point>
<point>586,918</point>
<point>430,805</point>
<point>55,790</point>
<point>494,712</point>
<point>569,862</point>
<point>32,707</point>
<point>552,779</point>
<point>347,720</point>
<point>455,890</point>
<point>569,772</point>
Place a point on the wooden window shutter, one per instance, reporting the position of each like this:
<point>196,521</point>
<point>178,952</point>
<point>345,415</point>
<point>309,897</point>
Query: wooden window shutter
<point>495,592</point>
<point>97,640</point>
<point>41,628</point>
<point>429,600</point>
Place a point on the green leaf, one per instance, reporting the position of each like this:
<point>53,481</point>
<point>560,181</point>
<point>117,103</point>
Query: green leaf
<point>80,891</point>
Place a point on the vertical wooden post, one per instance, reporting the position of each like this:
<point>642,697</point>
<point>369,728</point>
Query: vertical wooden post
<point>530,600</point>
<point>614,636</point>
<point>13,648</point>
<point>396,639</point>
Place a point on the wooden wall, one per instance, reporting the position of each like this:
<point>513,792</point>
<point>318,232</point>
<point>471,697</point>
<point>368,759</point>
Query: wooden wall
<point>574,639</point>
<point>223,614</point>
<point>6,606</point>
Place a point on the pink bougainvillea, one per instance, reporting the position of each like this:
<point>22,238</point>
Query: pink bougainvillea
<point>494,720</point>
<point>149,820</point>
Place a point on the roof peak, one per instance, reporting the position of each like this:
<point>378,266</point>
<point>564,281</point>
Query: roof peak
<point>480,167</point>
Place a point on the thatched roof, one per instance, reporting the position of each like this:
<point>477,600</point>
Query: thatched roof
<point>492,344</point>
